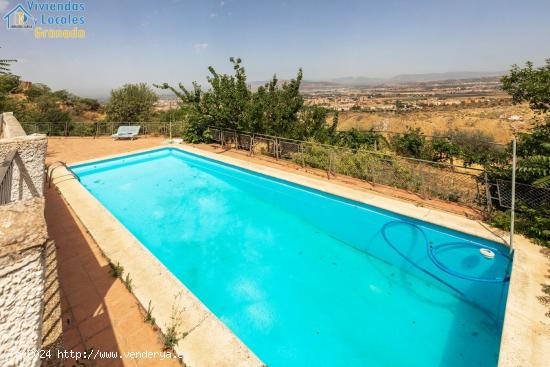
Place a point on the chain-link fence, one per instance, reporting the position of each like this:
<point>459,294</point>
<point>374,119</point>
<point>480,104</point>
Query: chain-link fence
<point>465,185</point>
<point>526,195</point>
<point>99,128</point>
<point>460,184</point>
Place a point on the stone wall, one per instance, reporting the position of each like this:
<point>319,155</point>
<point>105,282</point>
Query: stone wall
<point>9,126</point>
<point>28,174</point>
<point>23,238</point>
<point>30,314</point>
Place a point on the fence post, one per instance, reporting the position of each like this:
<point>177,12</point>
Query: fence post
<point>303,155</point>
<point>276,147</point>
<point>488,194</point>
<point>66,128</point>
<point>513,205</point>
<point>251,145</point>
<point>330,158</point>
<point>422,181</point>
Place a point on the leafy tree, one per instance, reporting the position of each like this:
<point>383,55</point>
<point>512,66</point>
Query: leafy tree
<point>532,85</point>
<point>64,95</point>
<point>8,83</point>
<point>87,104</point>
<point>444,150</point>
<point>533,150</point>
<point>356,139</point>
<point>412,143</point>
<point>274,108</point>
<point>49,111</point>
<point>5,65</point>
<point>529,84</point>
<point>37,90</point>
<point>131,103</point>
<point>475,147</point>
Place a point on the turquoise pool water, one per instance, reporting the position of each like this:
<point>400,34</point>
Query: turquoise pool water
<point>305,278</point>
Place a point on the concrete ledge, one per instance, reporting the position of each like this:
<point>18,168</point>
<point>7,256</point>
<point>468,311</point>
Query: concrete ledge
<point>526,333</point>
<point>10,127</point>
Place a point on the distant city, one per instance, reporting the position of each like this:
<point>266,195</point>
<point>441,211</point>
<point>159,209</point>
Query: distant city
<point>403,92</point>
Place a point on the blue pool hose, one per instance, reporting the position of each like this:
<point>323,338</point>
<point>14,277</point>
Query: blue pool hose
<point>432,257</point>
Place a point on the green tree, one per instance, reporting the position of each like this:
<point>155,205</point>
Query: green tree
<point>444,150</point>
<point>355,138</point>
<point>533,150</point>
<point>274,108</point>
<point>411,143</point>
<point>532,85</point>
<point>5,65</point>
<point>475,147</point>
<point>37,90</point>
<point>8,83</point>
<point>131,103</point>
<point>529,84</point>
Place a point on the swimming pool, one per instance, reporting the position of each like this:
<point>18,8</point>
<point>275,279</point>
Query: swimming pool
<point>305,278</point>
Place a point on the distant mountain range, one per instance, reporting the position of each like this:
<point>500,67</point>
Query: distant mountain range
<point>361,81</point>
<point>413,78</point>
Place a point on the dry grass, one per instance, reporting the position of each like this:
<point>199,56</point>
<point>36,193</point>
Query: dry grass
<point>492,120</point>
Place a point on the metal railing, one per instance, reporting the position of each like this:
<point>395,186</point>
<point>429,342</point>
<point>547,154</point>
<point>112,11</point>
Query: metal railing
<point>6,177</point>
<point>95,129</point>
<point>431,180</point>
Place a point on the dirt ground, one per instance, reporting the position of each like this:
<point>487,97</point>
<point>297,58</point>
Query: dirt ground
<point>494,121</point>
<point>75,149</point>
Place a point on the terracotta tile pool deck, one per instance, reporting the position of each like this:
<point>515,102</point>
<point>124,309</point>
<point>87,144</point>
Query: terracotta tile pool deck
<point>98,312</point>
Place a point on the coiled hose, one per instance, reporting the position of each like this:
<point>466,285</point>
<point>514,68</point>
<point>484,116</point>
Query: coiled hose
<point>441,266</point>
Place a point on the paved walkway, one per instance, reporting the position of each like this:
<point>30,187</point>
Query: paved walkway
<point>98,311</point>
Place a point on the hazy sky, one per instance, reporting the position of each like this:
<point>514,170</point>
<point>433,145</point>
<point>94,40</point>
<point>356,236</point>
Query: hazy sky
<point>176,40</point>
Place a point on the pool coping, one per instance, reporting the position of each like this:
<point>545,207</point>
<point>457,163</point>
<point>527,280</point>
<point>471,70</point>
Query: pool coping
<point>522,342</point>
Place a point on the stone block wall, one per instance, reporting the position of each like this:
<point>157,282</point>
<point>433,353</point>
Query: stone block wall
<point>23,238</point>
<point>30,313</point>
<point>32,151</point>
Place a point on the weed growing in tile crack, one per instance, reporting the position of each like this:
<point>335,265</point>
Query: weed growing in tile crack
<point>171,337</point>
<point>116,269</point>
<point>149,314</point>
<point>128,282</point>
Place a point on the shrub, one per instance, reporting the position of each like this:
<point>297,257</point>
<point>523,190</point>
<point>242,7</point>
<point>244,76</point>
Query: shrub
<point>533,223</point>
<point>116,269</point>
